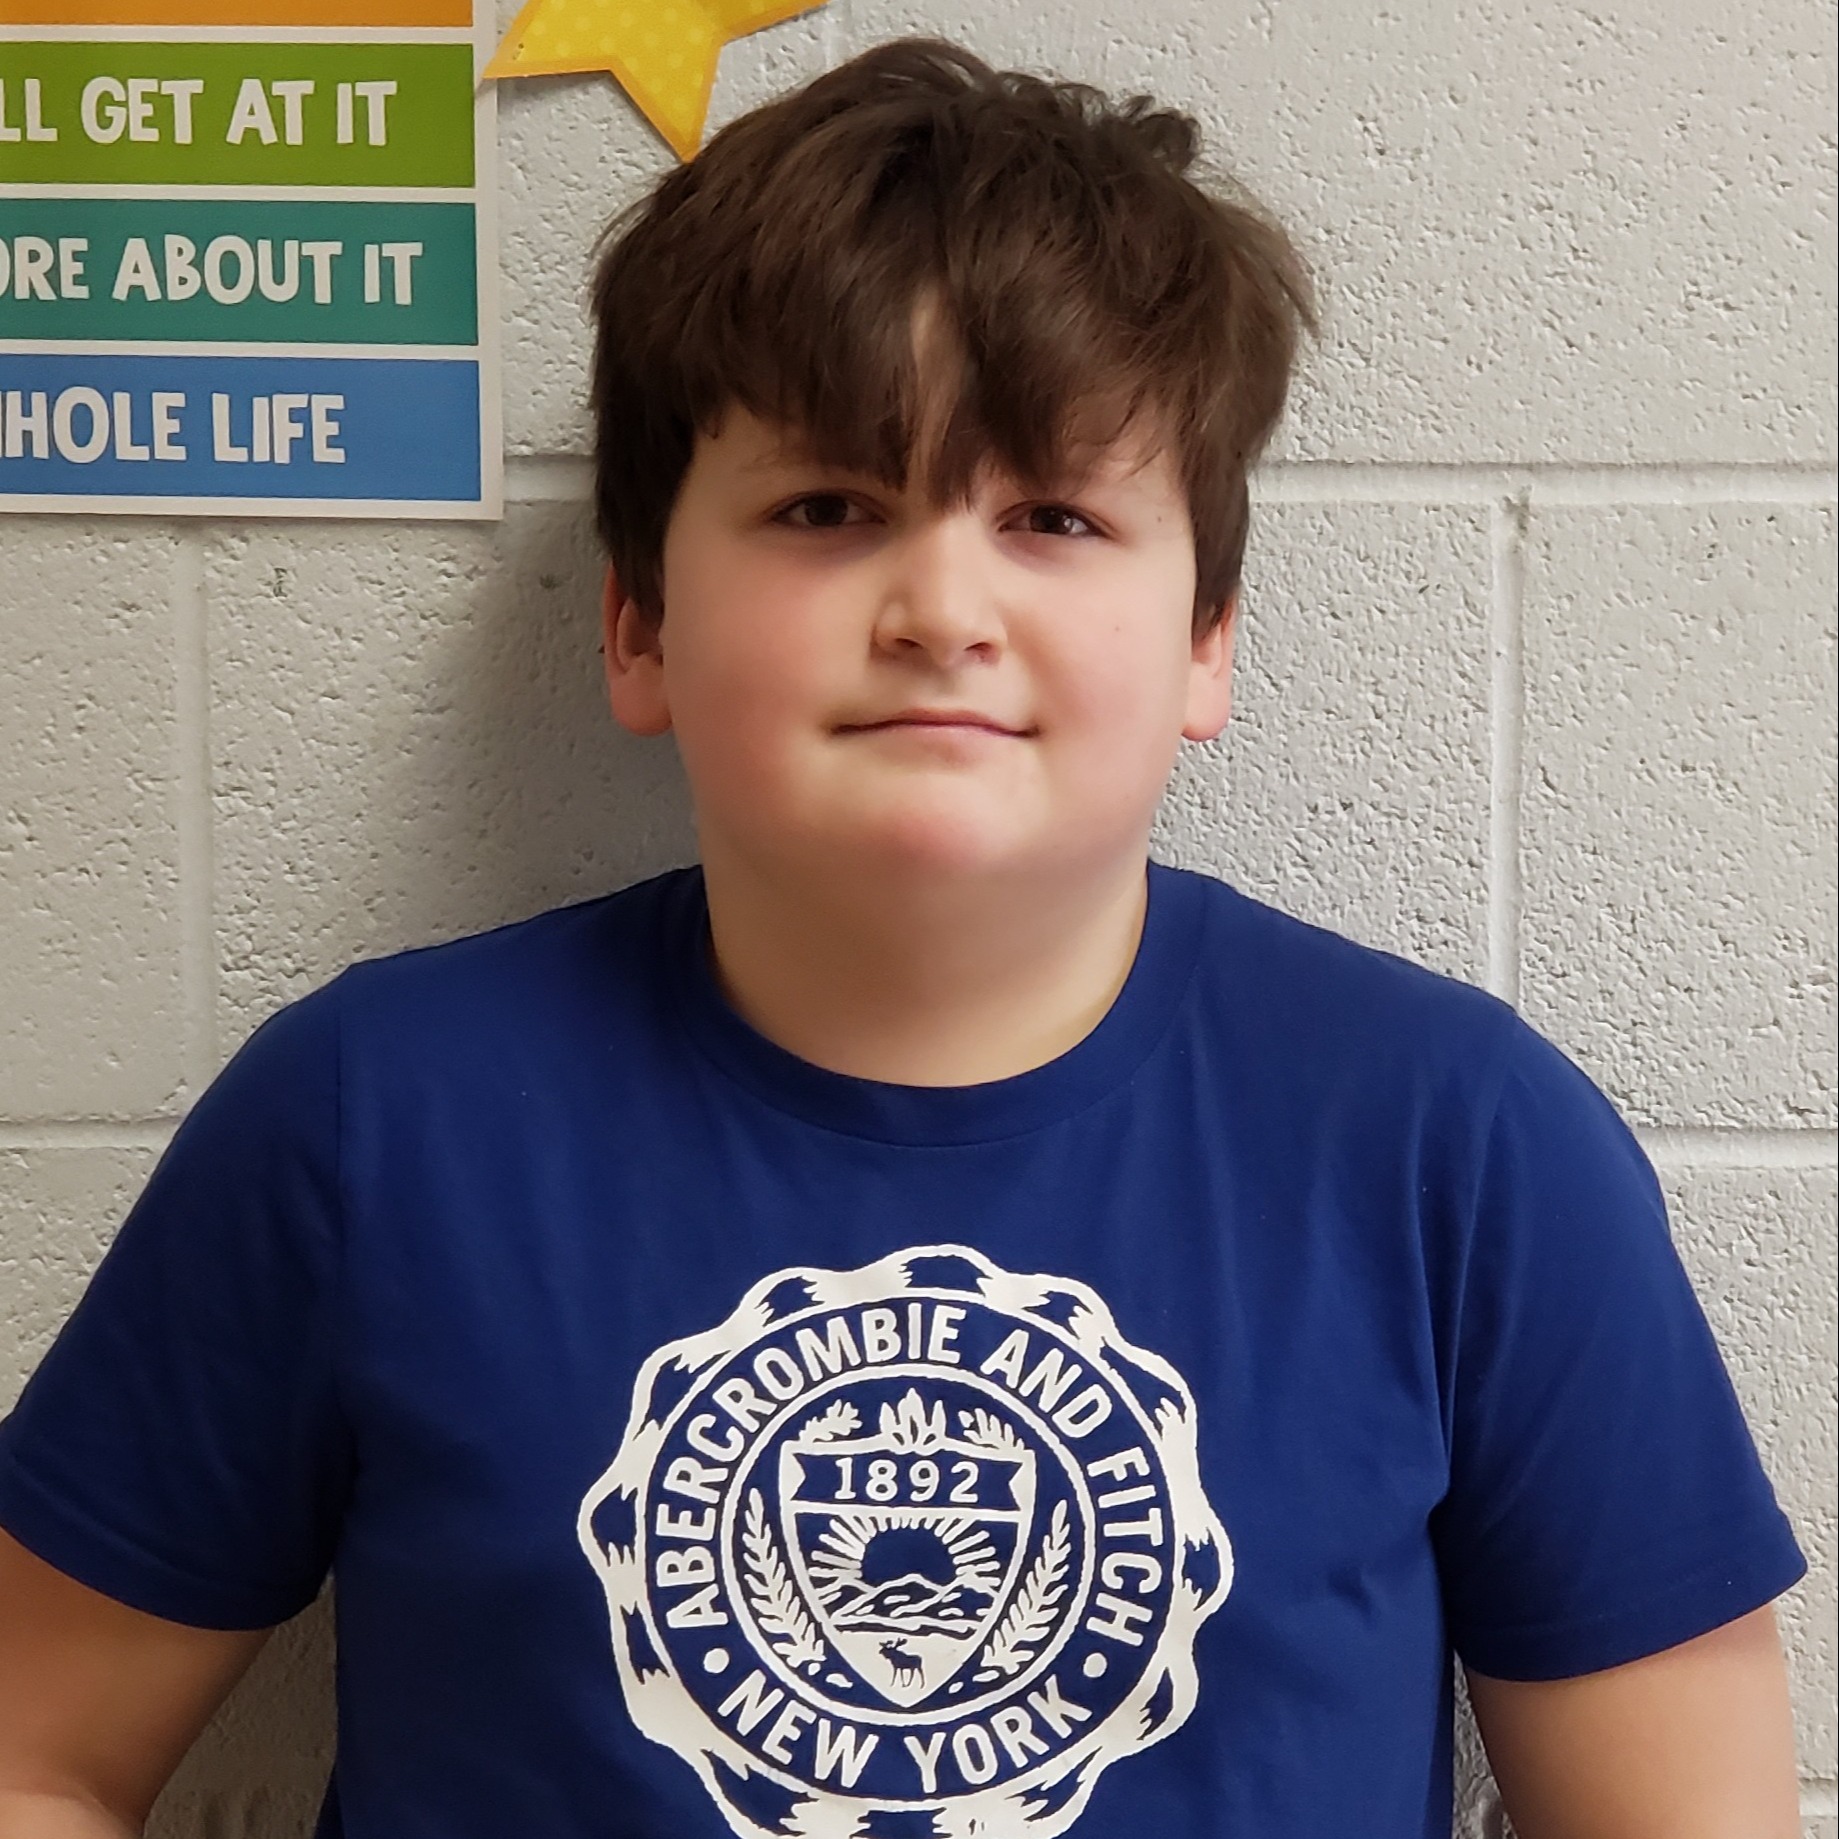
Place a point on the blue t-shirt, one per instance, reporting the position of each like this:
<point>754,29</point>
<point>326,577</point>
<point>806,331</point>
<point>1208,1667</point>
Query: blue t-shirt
<point>704,1443</point>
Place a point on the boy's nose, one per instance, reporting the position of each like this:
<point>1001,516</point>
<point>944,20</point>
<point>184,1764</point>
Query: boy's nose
<point>939,597</point>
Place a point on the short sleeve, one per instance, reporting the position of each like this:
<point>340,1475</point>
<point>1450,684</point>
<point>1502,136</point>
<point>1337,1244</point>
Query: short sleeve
<point>1605,1500</point>
<point>180,1448</point>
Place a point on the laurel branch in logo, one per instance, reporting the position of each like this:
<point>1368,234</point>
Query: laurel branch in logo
<point>926,1535</point>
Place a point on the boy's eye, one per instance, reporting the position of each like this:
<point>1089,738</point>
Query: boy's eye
<point>1056,520</point>
<point>821,511</point>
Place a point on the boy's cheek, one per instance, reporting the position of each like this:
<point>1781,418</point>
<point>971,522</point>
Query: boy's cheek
<point>1120,699</point>
<point>738,734</point>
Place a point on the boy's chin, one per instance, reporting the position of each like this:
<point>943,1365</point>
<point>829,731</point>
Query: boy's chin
<point>919,848</point>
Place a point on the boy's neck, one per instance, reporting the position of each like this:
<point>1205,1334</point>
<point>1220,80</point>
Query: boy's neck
<point>944,985</point>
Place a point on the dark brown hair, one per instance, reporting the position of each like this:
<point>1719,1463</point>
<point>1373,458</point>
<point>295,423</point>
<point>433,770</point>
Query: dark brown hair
<point>1085,283</point>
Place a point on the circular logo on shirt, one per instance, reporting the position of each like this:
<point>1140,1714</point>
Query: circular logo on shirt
<point>927,1537</point>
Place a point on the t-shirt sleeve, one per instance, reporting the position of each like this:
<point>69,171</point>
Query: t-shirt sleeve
<point>1605,1500</point>
<point>181,1447</point>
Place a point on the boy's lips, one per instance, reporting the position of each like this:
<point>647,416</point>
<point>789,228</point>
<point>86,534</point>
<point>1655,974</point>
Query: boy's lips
<point>937,718</point>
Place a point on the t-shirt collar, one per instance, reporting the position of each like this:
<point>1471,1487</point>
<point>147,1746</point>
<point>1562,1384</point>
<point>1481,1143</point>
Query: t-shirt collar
<point>1139,1017</point>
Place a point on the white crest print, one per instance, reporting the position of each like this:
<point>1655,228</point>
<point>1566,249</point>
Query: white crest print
<point>915,1549</point>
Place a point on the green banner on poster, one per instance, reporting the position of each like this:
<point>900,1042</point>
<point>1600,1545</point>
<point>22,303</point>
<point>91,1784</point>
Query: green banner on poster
<point>101,112</point>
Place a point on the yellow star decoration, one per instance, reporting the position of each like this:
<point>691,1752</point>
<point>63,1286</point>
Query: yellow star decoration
<point>662,51</point>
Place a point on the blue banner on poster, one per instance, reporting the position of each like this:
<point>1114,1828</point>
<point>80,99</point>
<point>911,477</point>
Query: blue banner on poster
<point>165,427</point>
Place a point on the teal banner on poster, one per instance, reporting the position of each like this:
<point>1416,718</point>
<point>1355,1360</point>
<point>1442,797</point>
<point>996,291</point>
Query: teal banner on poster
<point>250,271</point>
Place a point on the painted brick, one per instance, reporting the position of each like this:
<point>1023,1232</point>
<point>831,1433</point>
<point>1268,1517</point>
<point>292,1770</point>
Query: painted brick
<point>1351,785</point>
<point>411,742</point>
<point>258,1814</point>
<point>1679,806</point>
<point>89,940</point>
<point>59,1208</point>
<point>1761,1245</point>
<point>1553,233</point>
<point>1477,1802</point>
<point>259,1770</point>
<point>574,152</point>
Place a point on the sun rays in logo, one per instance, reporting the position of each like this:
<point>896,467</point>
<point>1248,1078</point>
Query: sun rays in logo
<point>883,1572</point>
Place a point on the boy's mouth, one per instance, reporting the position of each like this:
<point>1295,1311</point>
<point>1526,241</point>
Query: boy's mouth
<point>962,719</point>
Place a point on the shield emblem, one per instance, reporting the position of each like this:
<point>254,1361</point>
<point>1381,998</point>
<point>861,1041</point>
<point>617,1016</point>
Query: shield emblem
<point>906,1542</point>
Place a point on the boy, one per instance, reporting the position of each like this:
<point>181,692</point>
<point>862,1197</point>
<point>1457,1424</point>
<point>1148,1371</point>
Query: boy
<point>923,1325</point>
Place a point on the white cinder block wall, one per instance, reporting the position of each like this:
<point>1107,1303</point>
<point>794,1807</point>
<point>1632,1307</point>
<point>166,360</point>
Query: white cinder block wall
<point>1538,676</point>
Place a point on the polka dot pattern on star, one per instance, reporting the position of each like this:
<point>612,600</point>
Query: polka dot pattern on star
<point>663,51</point>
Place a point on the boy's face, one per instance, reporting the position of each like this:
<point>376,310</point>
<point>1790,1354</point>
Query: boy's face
<point>858,679</point>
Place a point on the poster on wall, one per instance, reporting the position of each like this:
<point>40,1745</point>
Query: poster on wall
<point>247,259</point>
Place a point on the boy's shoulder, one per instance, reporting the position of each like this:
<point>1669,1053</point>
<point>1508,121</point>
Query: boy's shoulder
<point>608,938</point>
<point>593,965</point>
<point>1270,970</point>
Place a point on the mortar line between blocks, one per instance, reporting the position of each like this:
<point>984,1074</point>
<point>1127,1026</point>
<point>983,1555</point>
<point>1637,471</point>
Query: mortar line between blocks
<point>197,852</point>
<point>1506,726</point>
<point>1328,481</point>
<point>548,478</point>
<point>89,1133</point>
<point>1741,1149</point>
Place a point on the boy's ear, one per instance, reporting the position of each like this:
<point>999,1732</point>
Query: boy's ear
<point>633,655</point>
<point>1210,677</point>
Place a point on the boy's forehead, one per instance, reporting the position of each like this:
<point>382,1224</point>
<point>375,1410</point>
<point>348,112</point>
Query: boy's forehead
<point>760,444</point>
